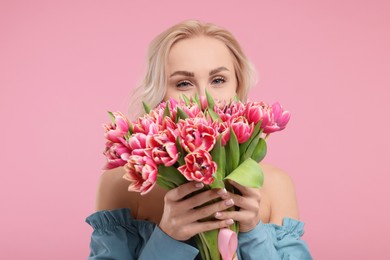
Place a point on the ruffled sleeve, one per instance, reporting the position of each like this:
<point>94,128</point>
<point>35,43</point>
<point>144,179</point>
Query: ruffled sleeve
<point>271,241</point>
<point>117,236</point>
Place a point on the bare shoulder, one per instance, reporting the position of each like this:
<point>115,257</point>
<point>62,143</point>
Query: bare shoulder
<point>279,188</point>
<point>276,176</point>
<point>112,192</point>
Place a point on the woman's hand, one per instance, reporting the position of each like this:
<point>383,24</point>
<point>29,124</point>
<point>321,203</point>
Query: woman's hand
<point>249,203</point>
<point>180,218</point>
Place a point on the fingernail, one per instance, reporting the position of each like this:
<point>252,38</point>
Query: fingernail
<point>229,221</point>
<point>222,191</point>
<point>199,185</point>
<point>217,214</point>
<point>229,202</point>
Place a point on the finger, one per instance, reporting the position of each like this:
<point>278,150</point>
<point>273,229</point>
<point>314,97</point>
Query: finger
<point>183,190</point>
<point>204,197</point>
<point>244,190</point>
<point>209,210</point>
<point>199,227</point>
<point>239,216</point>
<point>248,220</point>
<point>247,203</point>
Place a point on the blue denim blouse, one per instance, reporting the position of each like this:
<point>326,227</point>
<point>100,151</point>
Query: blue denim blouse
<point>117,236</point>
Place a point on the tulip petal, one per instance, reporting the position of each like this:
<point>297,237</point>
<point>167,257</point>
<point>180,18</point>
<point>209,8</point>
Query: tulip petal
<point>227,243</point>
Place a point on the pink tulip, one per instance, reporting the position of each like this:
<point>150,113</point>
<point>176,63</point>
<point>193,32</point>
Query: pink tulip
<point>192,110</point>
<point>229,111</point>
<point>223,128</point>
<point>146,124</point>
<point>159,110</point>
<point>197,134</point>
<point>115,131</point>
<point>116,154</point>
<point>227,243</point>
<point>199,166</point>
<point>141,171</point>
<point>242,128</point>
<point>256,111</point>
<point>173,103</point>
<point>137,141</point>
<point>203,102</point>
<point>278,119</point>
<point>169,125</point>
<point>121,122</point>
<point>112,135</point>
<point>237,109</point>
<point>157,114</point>
<point>137,144</point>
<point>163,149</point>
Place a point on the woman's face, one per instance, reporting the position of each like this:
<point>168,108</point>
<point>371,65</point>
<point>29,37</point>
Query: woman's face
<point>197,64</point>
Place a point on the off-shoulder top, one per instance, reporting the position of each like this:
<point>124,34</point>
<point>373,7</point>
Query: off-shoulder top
<point>116,235</point>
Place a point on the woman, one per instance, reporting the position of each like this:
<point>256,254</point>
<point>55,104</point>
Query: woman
<point>189,58</point>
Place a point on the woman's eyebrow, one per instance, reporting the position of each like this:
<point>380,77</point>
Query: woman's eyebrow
<point>191,74</point>
<point>182,72</point>
<point>215,71</point>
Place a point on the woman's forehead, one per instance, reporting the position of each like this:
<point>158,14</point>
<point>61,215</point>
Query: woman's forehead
<point>199,54</point>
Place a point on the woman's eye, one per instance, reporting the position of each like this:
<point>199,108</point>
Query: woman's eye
<point>183,84</point>
<point>219,80</point>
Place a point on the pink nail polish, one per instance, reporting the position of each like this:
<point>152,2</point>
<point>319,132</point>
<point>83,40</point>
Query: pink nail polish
<point>229,202</point>
<point>199,185</point>
<point>222,191</point>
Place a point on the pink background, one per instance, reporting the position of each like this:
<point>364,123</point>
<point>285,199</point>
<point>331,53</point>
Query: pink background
<point>63,64</point>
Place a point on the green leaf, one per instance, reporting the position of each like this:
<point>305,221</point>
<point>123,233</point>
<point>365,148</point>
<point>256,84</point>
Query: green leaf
<point>146,107</point>
<point>166,110</point>
<point>162,182</point>
<point>180,150</point>
<point>248,174</point>
<point>210,101</point>
<point>112,117</point>
<point>212,239</point>
<point>228,166</point>
<point>127,136</point>
<point>214,116</point>
<point>260,150</point>
<point>236,99</point>
<point>197,100</point>
<point>217,184</point>
<point>235,227</point>
<point>171,174</point>
<point>219,157</point>
<point>234,150</point>
<point>209,240</point>
<point>130,132</point>
<point>131,129</point>
<point>204,251</point>
<point>185,99</point>
<point>182,114</point>
<point>249,151</point>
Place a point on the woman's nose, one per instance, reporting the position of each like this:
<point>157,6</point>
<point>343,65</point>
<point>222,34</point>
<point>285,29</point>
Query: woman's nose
<point>202,90</point>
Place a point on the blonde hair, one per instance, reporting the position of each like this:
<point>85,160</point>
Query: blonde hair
<point>151,89</point>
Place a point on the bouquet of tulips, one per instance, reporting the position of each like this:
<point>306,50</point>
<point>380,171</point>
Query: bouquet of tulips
<point>197,139</point>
